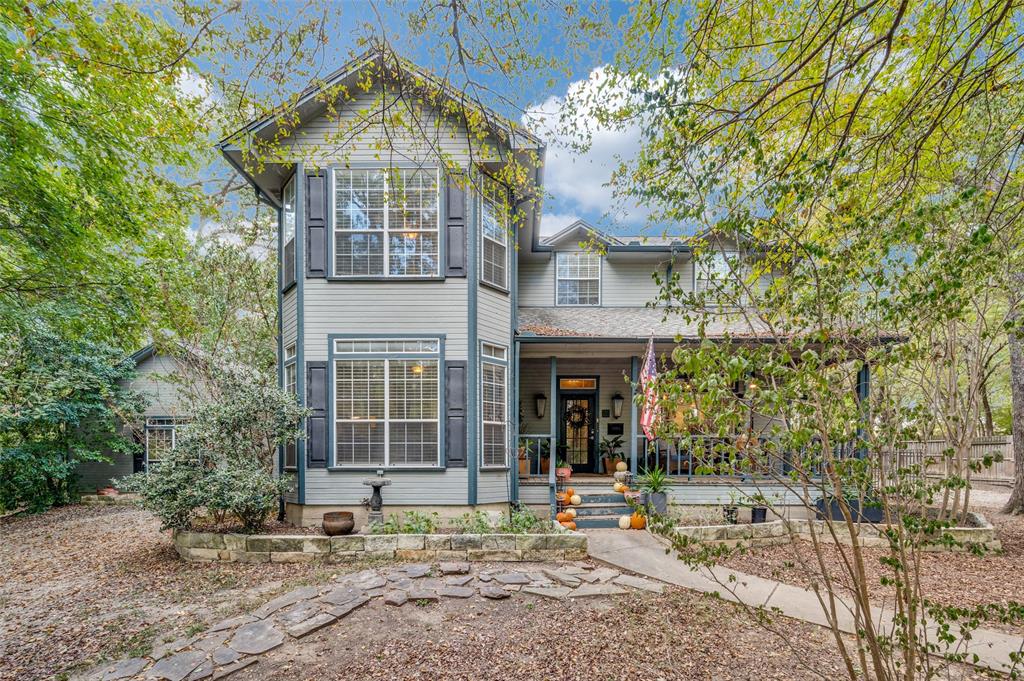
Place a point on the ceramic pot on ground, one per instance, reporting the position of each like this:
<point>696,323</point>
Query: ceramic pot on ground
<point>758,514</point>
<point>338,522</point>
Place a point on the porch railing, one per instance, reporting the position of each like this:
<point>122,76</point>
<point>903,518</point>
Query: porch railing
<point>704,457</point>
<point>537,456</point>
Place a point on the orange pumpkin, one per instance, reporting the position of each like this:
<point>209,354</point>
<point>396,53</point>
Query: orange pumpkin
<point>569,491</point>
<point>563,517</point>
<point>560,497</point>
<point>637,521</point>
<point>569,525</point>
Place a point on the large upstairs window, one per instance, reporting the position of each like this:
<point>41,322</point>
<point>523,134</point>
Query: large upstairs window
<point>717,273</point>
<point>578,279</point>
<point>386,222</point>
<point>288,233</point>
<point>387,402</point>
<point>494,228</point>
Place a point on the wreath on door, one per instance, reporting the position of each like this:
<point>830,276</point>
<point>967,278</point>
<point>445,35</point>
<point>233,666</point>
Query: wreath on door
<point>577,416</point>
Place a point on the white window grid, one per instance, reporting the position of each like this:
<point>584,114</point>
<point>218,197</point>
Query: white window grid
<point>395,406</point>
<point>578,279</point>
<point>288,210</point>
<point>160,436</point>
<point>494,228</point>
<point>398,213</point>
<point>494,406</point>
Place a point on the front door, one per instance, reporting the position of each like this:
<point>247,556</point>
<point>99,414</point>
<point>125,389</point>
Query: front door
<point>577,428</point>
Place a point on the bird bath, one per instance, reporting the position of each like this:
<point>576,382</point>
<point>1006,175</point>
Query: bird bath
<point>376,515</point>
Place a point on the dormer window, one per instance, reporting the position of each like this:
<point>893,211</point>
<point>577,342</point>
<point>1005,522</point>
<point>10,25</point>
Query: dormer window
<point>288,233</point>
<point>578,279</point>
<point>386,222</point>
<point>715,272</point>
<point>494,227</point>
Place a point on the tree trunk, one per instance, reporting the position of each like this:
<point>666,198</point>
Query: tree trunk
<point>986,410</point>
<point>1016,344</point>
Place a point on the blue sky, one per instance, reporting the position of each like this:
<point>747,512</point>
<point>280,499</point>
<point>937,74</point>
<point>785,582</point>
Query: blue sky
<point>576,182</point>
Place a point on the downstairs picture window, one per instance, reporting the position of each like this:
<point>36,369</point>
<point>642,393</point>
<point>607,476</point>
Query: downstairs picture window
<point>160,437</point>
<point>387,402</point>
<point>494,404</point>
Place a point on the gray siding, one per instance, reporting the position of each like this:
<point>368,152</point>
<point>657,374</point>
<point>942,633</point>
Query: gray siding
<point>386,308</point>
<point>494,317</point>
<point>492,487</point>
<point>288,318</point>
<point>356,134</point>
<point>537,282</point>
<point>427,488</point>
<point>95,474</point>
<point>155,378</point>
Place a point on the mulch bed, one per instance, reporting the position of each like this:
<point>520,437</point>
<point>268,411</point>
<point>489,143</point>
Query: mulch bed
<point>86,583</point>
<point>952,578</point>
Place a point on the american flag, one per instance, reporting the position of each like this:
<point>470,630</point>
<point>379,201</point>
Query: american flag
<point>648,376</point>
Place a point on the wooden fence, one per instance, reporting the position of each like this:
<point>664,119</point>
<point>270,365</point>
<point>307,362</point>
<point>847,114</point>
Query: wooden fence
<point>935,451</point>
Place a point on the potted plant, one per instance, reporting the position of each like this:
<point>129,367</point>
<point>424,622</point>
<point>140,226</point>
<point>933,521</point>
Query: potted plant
<point>524,462</point>
<point>610,448</point>
<point>562,469</point>
<point>655,483</point>
<point>545,456</point>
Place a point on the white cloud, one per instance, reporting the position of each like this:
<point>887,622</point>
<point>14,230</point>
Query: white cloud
<point>552,223</point>
<point>578,178</point>
<point>192,85</point>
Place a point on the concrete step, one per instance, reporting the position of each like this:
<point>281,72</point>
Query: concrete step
<point>602,498</point>
<point>593,522</point>
<point>602,509</point>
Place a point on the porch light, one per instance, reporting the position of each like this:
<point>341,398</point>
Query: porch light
<point>542,404</point>
<point>617,401</point>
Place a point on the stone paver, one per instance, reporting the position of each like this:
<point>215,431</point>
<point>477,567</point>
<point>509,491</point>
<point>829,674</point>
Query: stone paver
<point>300,612</point>
<point>494,592</point>
<point>456,592</point>
<point>124,669</point>
<point>256,637</point>
<point>419,594</point>
<point>512,578</point>
<point>231,669</point>
<point>232,622</point>
<point>458,580</point>
<point>639,583</point>
<point>283,601</point>
<point>416,570</point>
<point>562,577</point>
<point>203,671</point>
<point>396,598</point>
<point>177,666</point>
<point>454,568</point>
<point>345,608</point>
<point>225,655</point>
<point>342,595</point>
<point>310,625</point>
<point>600,575</point>
<point>548,591</point>
<point>589,590</point>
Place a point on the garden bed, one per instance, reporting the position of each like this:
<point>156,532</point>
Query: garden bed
<point>977,532</point>
<point>268,548</point>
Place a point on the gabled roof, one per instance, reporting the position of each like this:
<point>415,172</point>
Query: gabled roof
<point>385,60</point>
<point>576,232</point>
<point>583,231</point>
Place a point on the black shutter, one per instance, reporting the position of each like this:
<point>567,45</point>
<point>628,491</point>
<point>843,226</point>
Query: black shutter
<point>316,422</point>
<point>455,413</point>
<point>316,225</point>
<point>455,229</point>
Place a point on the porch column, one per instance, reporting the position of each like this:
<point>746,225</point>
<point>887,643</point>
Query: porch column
<point>634,369</point>
<point>553,430</point>
<point>863,393</point>
<point>513,474</point>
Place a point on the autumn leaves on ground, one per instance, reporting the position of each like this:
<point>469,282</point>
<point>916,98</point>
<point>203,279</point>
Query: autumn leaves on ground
<point>83,585</point>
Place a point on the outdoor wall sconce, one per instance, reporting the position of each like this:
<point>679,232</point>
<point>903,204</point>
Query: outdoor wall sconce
<point>617,401</point>
<point>542,404</point>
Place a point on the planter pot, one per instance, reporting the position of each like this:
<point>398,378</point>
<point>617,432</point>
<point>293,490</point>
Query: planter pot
<point>524,468</point>
<point>565,473</point>
<point>545,465</point>
<point>338,522</point>
<point>829,508</point>
<point>106,491</point>
<point>758,514</point>
<point>731,514</point>
<point>658,502</point>
<point>607,465</point>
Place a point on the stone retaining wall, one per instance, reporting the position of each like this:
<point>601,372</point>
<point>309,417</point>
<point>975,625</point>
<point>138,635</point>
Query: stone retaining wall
<point>209,546</point>
<point>783,531</point>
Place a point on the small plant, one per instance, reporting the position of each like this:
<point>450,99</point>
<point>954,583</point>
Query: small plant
<point>476,522</point>
<point>654,481</point>
<point>611,446</point>
<point>410,522</point>
<point>524,521</point>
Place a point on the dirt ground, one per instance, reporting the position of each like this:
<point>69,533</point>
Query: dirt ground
<point>952,578</point>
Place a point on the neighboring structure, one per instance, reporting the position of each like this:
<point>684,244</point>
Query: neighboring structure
<point>433,344</point>
<point>159,378</point>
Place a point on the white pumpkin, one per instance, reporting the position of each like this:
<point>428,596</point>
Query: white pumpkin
<point>624,522</point>
<point>575,500</point>
<point>621,466</point>
<point>619,487</point>
<point>571,511</point>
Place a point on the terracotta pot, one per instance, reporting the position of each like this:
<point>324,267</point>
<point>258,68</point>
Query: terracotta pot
<point>565,473</point>
<point>106,491</point>
<point>338,522</point>
<point>524,468</point>
<point>545,465</point>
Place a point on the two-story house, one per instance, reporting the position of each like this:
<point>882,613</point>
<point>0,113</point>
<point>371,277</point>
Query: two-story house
<point>434,343</point>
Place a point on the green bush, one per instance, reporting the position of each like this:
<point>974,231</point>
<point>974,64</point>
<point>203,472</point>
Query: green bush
<point>476,522</point>
<point>410,522</point>
<point>223,461</point>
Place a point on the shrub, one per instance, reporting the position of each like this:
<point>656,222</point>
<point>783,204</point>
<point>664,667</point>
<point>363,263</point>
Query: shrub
<point>223,461</point>
<point>476,522</point>
<point>524,521</point>
<point>410,522</point>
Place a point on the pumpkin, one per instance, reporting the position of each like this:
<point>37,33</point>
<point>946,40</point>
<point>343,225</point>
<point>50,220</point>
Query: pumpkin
<point>560,497</point>
<point>624,522</point>
<point>621,466</point>
<point>569,491</point>
<point>571,512</point>
<point>619,487</point>
<point>569,525</point>
<point>563,517</point>
<point>575,500</point>
<point>637,521</point>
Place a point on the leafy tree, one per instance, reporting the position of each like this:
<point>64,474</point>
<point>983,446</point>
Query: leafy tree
<point>62,401</point>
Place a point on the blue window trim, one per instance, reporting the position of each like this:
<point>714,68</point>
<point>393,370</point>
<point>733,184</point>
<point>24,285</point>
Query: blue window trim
<point>472,344</point>
<point>507,289</point>
<point>280,325</point>
<point>442,220</point>
<point>284,284</point>
<point>502,363</point>
<point>439,356</point>
<point>300,331</point>
<point>284,371</point>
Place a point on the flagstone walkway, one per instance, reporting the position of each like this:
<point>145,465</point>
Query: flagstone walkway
<point>644,554</point>
<point>234,644</point>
